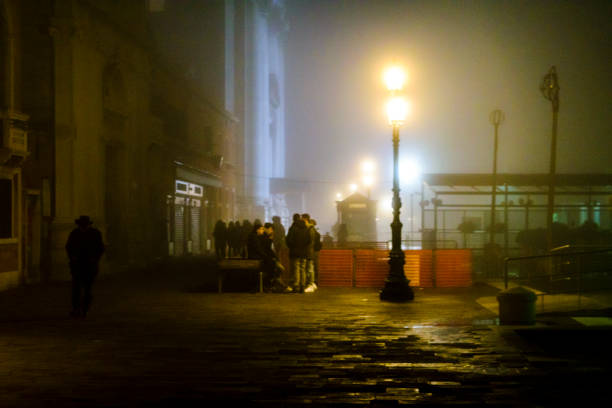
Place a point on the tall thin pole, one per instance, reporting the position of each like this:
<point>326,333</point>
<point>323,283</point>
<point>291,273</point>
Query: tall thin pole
<point>496,118</point>
<point>396,287</point>
<point>422,212</point>
<point>396,225</point>
<point>506,219</point>
<point>550,90</point>
<point>411,216</point>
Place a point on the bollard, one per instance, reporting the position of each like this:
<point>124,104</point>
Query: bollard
<point>516,306</point>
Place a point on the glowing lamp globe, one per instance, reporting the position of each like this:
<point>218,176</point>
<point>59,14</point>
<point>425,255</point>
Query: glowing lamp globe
<point>397,110</point>
<point>394,78</point>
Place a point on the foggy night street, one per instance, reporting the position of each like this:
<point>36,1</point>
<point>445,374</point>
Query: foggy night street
<point>153,338</point>
<point>305,203</point>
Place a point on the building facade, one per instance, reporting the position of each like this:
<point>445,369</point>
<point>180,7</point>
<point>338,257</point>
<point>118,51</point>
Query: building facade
<point>97,119</point>
<point>358,213</point>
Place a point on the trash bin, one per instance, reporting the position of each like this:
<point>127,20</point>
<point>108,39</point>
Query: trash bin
<point>517,306</point>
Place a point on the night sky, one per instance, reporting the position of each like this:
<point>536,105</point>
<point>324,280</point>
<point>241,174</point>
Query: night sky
<point>464,59</point>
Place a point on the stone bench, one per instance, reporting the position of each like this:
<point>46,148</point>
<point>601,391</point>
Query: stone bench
<point>242,265</point>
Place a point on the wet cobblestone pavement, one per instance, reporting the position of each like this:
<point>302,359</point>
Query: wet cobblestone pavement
<point>152,340</point>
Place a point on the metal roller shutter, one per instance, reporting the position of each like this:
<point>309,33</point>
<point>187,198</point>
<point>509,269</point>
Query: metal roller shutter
<point>195,230</point>
<point>179,229</point>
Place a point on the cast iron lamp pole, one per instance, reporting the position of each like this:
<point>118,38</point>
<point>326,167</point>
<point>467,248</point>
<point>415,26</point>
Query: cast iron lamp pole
<point>397,287</point>
<point>550,90</point>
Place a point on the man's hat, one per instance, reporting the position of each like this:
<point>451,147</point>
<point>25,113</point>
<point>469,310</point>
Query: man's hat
<point>83,220</point>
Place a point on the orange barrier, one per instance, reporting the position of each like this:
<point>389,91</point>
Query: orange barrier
<point>368,268</point>
<point>371,268</point>
<point>453,268</point>
<point>418,267</point>
<point>336,267</point>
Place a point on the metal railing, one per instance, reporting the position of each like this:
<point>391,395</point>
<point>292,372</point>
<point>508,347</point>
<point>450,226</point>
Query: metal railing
<point>406,244</point>
<point>561,268</point>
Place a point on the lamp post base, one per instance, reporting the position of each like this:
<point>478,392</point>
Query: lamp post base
<point>397,287</point>
<point>397,291</point>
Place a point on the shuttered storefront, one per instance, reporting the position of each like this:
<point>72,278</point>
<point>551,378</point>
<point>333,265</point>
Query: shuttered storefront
<point>187,220</point>
<point>179,226</point>
<point>196,245</point>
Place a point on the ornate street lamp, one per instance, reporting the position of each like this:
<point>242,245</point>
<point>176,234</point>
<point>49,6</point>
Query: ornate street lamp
<point>550,90</point>
<point>397,288</point>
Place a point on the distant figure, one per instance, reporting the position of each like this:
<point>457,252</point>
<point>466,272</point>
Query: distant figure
<point>328,241</point>
<point>236,238</point>
<point>342,235</point>
<point>230,239</point>
<point>317,248</point>
<point>84,248</point>
<point>254,247</point>
<point>246,230</point>
<point>279,235</point>
<point>220,235</point>
<point>273,269</point>
<point>310,286</point>
<point>297,240</point>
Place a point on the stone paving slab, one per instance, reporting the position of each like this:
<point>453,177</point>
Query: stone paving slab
<point>152,340</point>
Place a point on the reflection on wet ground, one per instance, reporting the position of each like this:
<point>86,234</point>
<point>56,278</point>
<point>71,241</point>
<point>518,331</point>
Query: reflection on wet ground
<point>154,343</point>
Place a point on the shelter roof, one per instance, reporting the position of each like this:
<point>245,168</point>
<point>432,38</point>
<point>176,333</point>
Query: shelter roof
<point>474,180</point>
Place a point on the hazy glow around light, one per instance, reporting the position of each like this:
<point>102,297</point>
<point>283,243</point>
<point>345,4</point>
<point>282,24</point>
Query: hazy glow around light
<point>368,181</point>
<point>394,78</point>
<point>353,187</point>
<point>397,110</point>
<point>368,166</point>
<point>386,205</point>
<point>339,196</point>
<point>409,171</point>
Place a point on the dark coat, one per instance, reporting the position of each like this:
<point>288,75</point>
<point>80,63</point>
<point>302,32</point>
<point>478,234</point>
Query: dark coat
<point>84,249</point>
<point>255,247</point>
<point>312,233</point>
<point>298,239</point>
<point>220,233</point>
<point>266,245</point>
<point>235,235</point>
<point>245,231</point>
<point>279,236</point>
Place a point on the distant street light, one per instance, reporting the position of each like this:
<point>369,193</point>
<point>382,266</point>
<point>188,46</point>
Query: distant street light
<point>367,167</point>
<point>397,287</point>
<point>368,181</point>
<point>353,187</point>
<point>367,170</point>
<point>550,90</point>
<point>394,78</point>
<point>410,171</point>
<point>496,118</point>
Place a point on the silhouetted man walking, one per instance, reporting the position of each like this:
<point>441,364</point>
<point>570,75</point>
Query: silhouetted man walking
<point>84,249</point>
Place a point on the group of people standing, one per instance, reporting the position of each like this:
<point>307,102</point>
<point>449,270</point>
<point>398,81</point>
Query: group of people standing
<point>268,243</point>
<point>231,239</point>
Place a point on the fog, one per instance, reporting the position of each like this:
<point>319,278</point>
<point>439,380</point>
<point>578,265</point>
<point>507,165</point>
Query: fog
<point>463,59</point>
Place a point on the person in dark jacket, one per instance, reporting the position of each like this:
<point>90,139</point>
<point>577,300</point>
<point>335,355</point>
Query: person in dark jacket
<point>298,240</point>
<point>279,234</point>
<point>318,245</point>
<point>236,238</point>
<point>84,248</point>
<point>230,241</point>
<point>254,243</point>
<point>272,265</point>
<point>310,286</point>
<point>220,235</point>
<point>246,230</point>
